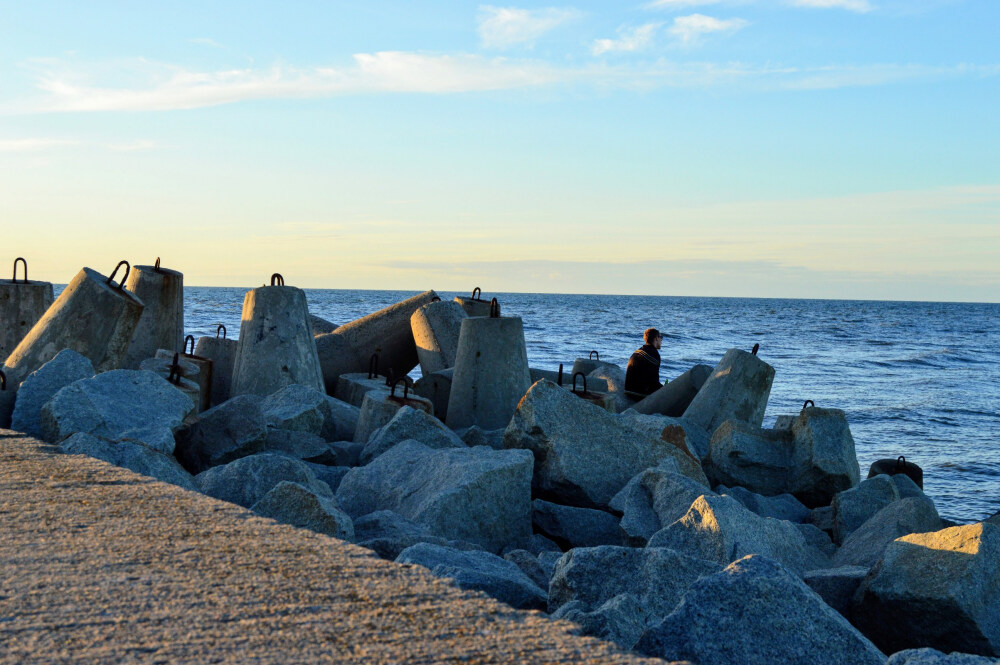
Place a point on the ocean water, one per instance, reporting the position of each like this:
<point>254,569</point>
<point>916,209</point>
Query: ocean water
<point>915,379</point>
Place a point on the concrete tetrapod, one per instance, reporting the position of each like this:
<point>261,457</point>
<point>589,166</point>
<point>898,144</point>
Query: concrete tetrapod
<point>22,304</point>
<point>675,397</point>
<point>204,375</point>
<point>222,353</point>
<point>93,316</point>
<point>437,388</point>
<point>737,390</point>
<point>276,346</point>
<point>475,306</point>
<point>436,327</point>
<point>161,325</point>
<point>385,332</point>
<point>491,373</point>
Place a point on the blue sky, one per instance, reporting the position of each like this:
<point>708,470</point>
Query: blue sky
<point>799,148</point>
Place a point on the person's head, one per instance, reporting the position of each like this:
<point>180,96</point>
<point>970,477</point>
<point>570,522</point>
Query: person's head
<point>653,337</point>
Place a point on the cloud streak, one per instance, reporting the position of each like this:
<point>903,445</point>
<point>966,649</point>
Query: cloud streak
<point>860,6</point>
<point>504,27</point>
<point>634,39</point>
<point>689,29</point>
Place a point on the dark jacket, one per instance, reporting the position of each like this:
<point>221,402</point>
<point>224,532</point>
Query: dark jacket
<point>643,372</point>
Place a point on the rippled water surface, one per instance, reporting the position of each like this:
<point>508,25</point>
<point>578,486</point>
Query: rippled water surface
<point>916,379</point>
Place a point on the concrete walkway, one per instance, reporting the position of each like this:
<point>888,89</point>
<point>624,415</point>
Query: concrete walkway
<point>101,565</point>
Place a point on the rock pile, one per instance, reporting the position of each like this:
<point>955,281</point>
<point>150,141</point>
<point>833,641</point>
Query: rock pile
<point>688,532</point>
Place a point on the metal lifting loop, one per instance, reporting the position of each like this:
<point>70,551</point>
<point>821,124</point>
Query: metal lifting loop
<point>14,278</point>
<point>477,293</point>
<point>756,348</point>
<point>900,464</point>
<point>221,328</point>
<point>156,266</point>
<point>128,269</point>
<point>191,339</point>
<point>584,377</point>
<point>389,376</point>
<point>436,299</point>
<point>406,387</point>
<point>560,373</point>
<point>277,280</point>
<point>594,355</point>
<point>373,366</point>
<point>174,376</point>
<point>3,381</point>
<point>807,404</point>
<point>494,309</point>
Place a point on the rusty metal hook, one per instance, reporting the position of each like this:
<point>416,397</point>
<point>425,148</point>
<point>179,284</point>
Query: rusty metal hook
<point>477,293</point>
<point>559,379</point>
<point>191,338</point>
<point>221,328</point>
<point>494,309</point>
<point>3,381</point>
<point>128,269</point>
<point>900,464</point>
<point>807,404</point>
<point>584,377</point>
<point>756,348</point>
<point>373,366</point>
<point>594,355</point>
<point>174,376</point>
<point>436,299</point>
<point>156,266</point>
<point>14,278</point>
<point>389,376</point>
<point>406,387</point>
<point>277,279</point>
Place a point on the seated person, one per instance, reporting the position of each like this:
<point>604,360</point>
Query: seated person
<point>643,373</point>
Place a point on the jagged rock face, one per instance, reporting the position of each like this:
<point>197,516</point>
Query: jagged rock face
<point>719,528</point>
<point>621,620</point>
<point>837,586</point>
<point>866,545</point>
<point>780,507</point>
<point>934,657</point>
<point>854,507</point>
<point>40,386</point>
<point>130,455</point>
<point>477,495</point>
<point>571,527</point>
<point>304,409</point>
<point>295,504</point>
<point>121,405</point>
<point>652,500</point>
<point>480,571</point>
<point>737,389</point>
<point>756,612</point>
<point>583,454</point>
<point>245,481</point>
<point>236,428</point>
<point>744,455</point>
<point>938,590</point>
<point>412,424</point>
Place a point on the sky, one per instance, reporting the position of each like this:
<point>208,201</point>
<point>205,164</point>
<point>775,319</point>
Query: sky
<point>773,148</point>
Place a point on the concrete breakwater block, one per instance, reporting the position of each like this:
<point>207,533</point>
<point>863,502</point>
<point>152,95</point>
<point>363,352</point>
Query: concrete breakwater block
<point>93,316</point>
<point>161,325</point>
<point>491,372</point>
<point>183,375</point>
<point>379,407</point>
<point>203,375</point>
<point>436,327</point>
<point>353,387</point>
<point>385,332</point>
<point>475,305</point>
<point>22,304</point>
<point>276,347</point>
<point>737,389</point>
<point>674,398</point>
<point>437,388</point>
<point>222,353</point>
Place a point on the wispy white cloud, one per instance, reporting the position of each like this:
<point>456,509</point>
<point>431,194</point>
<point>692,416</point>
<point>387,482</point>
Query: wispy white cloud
<point>629,39</point>
<point>860,6</point>
<point>690,28</point>
<point>167,87</point>
<point>503,27</point>
<point>679,4</point>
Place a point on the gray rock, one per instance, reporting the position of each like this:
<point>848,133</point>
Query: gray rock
<point>822,518</point>
<point>480,571</point>
<point>994,518</point>
<point>655,577</point>
<point>120,405</point>
<point>817,538</point>
<point>744,455</point>
<point>570,526</point>
<point>780,507</point>
<point>129,455</point>
<point>854,507</point>
<point>529,565</point>
<point>676,431</point>
<point>476,436</point>
<point>292,503</point>
<point>245,481</point>
<point>477,495</point>
<point>866,545</point>
<point>755,612</point>
<point>938,590</point>
<point>737,389</point>
<point>295,407</point>
<point>621,620</point>
<point>388,533</point>
<point>301,445</point>
<point>583,454</point>
<point>652,500</point>
<point>837,586</point>
<point>935,657</point>
<point>41,385</point>
<point>615,378</point>
<point>824,459</point>
<point>321,326</point>
<point>340,420</point>
<point>906,487</point>
<point>331,475</point>
<point>409,424</point>
<point>536,543</point>
<point>347,453</point>
<point>236,428</point>
<point>378,408</point>
<point>719,528</point>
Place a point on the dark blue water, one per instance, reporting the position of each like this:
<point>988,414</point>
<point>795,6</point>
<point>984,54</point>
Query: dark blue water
<point>916,379</point>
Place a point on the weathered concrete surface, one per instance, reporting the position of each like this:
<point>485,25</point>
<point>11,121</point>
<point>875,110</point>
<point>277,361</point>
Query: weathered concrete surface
<point>104,566</point>
<point>161,325</point>
<point>21,306</point>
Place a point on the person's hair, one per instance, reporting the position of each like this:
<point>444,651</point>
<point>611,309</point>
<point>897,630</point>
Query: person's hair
<point>650,335</point>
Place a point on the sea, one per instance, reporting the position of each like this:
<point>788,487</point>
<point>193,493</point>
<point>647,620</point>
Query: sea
<point>917,379</point>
